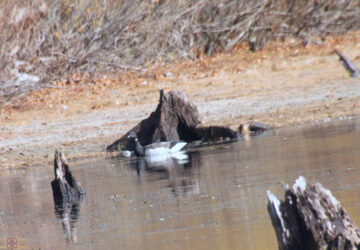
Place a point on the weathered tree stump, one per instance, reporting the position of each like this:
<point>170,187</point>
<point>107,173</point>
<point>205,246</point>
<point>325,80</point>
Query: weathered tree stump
<point>348,65</point>
<point>64,185</point>
<point>174,119</point>
<point>310,217</point>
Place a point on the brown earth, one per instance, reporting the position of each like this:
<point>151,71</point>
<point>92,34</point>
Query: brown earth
<point>281,85</point>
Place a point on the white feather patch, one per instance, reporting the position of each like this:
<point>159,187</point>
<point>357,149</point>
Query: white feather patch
<point>177,147</point>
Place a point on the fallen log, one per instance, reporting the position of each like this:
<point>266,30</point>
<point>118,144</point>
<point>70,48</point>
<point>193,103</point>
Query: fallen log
<point>310,217</point>
<point>348,65</point>
<point>64,185</point>
<point>174,119</point>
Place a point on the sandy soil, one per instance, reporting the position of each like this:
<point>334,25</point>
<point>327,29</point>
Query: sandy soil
<point>282,85</point>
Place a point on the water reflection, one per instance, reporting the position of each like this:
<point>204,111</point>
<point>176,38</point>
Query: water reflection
<point>68,211</point>
<point>181,172</point>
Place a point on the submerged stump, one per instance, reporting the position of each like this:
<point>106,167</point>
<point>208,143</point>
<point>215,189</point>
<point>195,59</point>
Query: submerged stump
<point>310,217</point>
<point>174,119</point>
<point>64,185</point>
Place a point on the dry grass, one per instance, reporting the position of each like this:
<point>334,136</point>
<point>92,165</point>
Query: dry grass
<point>42,40</point>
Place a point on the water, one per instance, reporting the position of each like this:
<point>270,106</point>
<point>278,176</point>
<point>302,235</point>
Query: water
<point>217,200</point>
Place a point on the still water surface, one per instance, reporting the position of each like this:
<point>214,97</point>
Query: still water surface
<point>217,200</point>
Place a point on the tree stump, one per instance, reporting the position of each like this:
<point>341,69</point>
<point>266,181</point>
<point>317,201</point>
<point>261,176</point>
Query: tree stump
<point>64,185</point>
<point>310,217</point>
<point>174,119</point>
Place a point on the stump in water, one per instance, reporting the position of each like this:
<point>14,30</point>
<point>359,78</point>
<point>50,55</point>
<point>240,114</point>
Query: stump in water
<point>174,119</point>
<point>310,217</point>
<point>64,185</point>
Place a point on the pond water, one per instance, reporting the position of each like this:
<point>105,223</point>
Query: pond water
<point>214,200</point>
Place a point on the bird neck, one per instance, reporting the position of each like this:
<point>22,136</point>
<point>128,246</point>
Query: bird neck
<point>139,149</point>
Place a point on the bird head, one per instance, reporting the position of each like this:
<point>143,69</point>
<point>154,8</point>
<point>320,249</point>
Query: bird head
<point>132,135</point>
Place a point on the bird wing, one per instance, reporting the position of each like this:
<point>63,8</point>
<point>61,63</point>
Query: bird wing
<point>162,144</point>
<point>177,147</point>
<point>164,147</point>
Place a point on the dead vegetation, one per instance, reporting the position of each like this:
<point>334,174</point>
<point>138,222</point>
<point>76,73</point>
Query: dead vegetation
<point>42,41</point>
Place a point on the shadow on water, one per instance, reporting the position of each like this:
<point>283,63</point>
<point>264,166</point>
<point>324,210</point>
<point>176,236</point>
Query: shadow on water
<point>68,211</point>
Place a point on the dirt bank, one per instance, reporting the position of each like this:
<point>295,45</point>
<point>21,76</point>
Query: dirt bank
<point>281,85</point>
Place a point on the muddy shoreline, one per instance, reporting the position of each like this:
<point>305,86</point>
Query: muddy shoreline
<point>277,87</point>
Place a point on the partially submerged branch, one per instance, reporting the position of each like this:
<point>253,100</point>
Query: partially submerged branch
<point>348,65</point>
